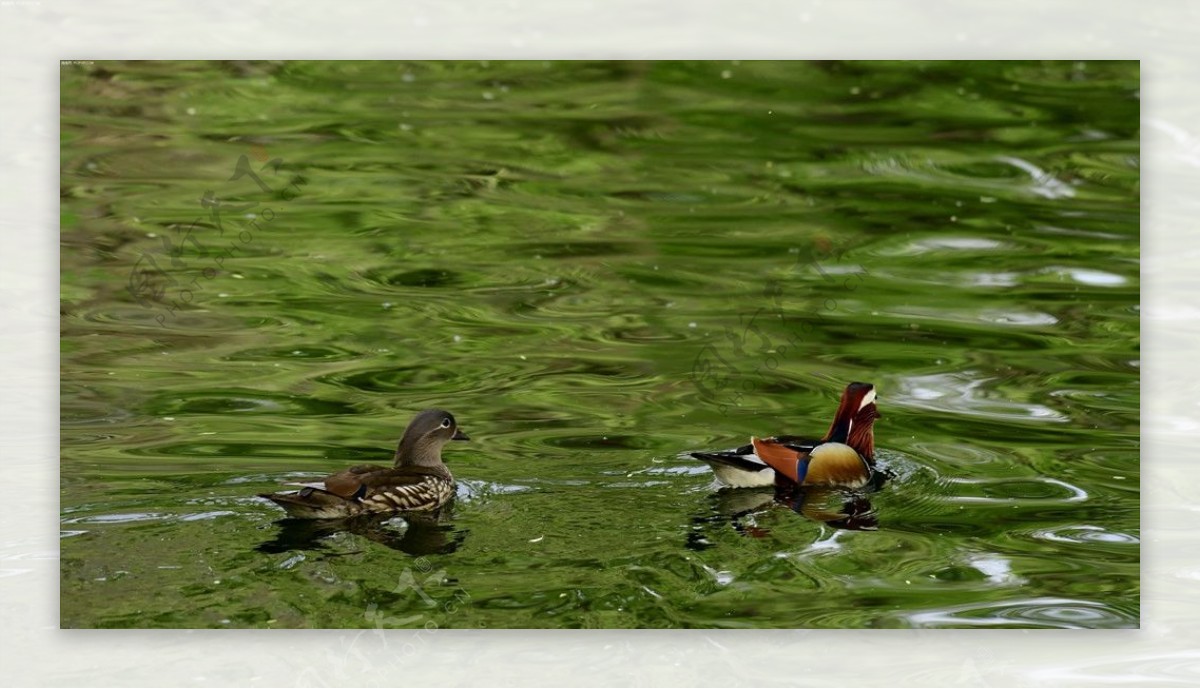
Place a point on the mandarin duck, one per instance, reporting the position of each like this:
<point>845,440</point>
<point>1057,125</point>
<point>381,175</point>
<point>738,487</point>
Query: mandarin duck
<point>845,457</point>
<point>418,480</point>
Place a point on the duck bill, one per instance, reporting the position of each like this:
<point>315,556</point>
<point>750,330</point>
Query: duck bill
<point>459,435</point>
<point>855,398</point>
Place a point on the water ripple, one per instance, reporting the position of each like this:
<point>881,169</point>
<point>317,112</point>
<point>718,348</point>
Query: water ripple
<point>1012,491</point>
<point>1085,534</point>
<point>964,393</point>
<point>1052,613</point>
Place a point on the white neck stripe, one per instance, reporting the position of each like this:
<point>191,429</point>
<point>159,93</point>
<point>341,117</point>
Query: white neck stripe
<point>867,399</point>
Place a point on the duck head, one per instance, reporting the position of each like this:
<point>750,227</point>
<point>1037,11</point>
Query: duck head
<point>426,434</point>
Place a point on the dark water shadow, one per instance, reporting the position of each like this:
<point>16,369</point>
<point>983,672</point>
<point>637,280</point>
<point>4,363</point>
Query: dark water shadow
<point>420,534</point>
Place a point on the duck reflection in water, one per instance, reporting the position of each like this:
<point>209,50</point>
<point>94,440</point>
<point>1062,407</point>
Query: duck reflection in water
<point>414,534</point>
<point>840,509</point>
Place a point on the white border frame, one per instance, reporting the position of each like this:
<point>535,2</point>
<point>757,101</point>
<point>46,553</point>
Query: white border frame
<point>36,34</point>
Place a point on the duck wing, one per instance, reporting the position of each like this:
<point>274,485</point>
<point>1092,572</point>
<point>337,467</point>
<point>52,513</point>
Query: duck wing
<point>346,483</point>
<point>405,489</point>
<point>788,459</point>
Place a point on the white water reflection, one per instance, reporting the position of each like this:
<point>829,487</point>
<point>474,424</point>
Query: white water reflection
<point>1058,613</point>
<point>1084,534</point>
<point>1091,277</point>
<point>131,517</point>
<point>989,316</point>
<point>933,244</point>
<point>997,569</point>
<point>963,394</point>
<point>1044,184</point>
<point>986,279</point>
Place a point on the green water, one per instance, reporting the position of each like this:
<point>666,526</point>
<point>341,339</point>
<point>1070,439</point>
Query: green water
<point>596,268</point>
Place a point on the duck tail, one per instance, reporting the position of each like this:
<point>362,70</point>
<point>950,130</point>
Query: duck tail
<point>314,503</point>
<point>738,469</point>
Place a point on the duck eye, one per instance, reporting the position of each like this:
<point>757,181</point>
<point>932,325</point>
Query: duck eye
<point>445,423</point>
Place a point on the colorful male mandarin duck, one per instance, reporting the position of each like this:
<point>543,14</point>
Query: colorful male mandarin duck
<point>845,457</point>
<point>418,481</point>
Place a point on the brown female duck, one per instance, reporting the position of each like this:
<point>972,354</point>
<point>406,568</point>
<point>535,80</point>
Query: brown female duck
<point>418,481</point>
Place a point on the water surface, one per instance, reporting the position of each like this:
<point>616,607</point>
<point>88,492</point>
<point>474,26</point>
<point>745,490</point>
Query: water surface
<point>267,268</point>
